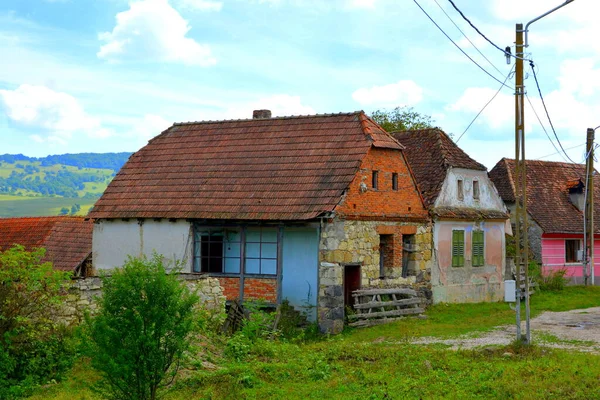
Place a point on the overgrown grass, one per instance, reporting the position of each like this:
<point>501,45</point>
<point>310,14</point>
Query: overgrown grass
<point>380,363</point>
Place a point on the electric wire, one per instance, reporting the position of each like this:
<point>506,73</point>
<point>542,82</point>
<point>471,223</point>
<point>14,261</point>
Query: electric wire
<point>560,152</point>
<point>482,35</point>
<point>466,37</point>
<point>546,110</point>
<point>486,104</point>
<point>458,47</point>
<point>544,128</point>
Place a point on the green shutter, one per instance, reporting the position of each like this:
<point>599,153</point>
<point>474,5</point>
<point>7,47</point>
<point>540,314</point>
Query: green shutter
<point>458,248</point>
<point>478,256</point>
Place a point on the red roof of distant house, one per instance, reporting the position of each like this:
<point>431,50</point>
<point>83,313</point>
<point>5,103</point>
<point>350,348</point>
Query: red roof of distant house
<point>289,168</point>
<point>67,240</point>
<point>430,153</point>
<point>548,185</point>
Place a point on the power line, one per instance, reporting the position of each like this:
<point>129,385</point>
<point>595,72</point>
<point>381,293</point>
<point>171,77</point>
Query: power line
<point>546,110</point>
<point>486,104</point>
<point>466,37</point>
<point>458,47</point>
<point>544,129</point>
<point>482,35</point>
<point>559,152</point>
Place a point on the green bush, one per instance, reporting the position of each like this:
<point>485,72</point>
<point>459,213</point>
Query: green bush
<point>553,279</point>
<point>140,333</point>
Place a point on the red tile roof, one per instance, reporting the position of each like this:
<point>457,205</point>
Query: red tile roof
<point>548,186</point>
<point>67,240</point>
<point>431,153</point>
<point>257,169</point>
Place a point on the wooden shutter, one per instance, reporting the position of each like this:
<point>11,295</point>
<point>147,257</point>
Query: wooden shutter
<point>478,259</point>
<point>458,248</point>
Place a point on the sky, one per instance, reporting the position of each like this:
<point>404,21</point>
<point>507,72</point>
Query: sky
<point>108,75</point>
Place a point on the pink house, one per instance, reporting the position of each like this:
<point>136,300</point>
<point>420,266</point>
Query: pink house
<point>555,207</point>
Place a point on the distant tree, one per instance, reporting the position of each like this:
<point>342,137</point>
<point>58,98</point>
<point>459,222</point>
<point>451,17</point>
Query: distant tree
<point>64,211</point>
<point>402,118</point>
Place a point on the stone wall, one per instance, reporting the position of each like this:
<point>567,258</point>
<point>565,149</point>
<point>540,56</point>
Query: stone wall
<point>346,242</point>
<point>83,292</point>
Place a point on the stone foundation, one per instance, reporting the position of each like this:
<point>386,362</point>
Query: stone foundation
<point>83,292</point>
<point>347,242</point>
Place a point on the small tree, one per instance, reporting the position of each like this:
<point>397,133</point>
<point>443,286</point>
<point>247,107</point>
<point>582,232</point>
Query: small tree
<point>402,118</point>
<point>140,332</point>
<point>33,346</point>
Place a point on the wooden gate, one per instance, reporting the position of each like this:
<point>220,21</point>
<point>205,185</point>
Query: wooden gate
<point>380,306</point>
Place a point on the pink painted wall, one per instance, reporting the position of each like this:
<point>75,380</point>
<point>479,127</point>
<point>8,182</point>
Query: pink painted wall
<point>553,257</point>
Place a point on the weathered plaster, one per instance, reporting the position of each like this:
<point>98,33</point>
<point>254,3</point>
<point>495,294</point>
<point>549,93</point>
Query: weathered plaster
<point>488,195</point>
<point>468,283</point>
<point>114,240</point>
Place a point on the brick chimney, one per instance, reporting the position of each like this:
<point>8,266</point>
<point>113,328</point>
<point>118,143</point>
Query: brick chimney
<point>261,114</point>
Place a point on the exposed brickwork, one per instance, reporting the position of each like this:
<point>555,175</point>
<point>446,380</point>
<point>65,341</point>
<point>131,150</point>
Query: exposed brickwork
<point>260,289</point>
<point>231,287</point>
<point>384,202</point>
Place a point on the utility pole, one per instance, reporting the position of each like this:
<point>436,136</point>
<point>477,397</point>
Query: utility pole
<point>520,206</point>
<point>521,234</point>
<point>589,208</point>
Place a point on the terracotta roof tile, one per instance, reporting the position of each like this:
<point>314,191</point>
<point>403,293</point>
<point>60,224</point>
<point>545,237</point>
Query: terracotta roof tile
<point>468,213</point>
<point>548,186</point>
<point>431,153</point>
<point>67,240</point>
<point>265,169</point>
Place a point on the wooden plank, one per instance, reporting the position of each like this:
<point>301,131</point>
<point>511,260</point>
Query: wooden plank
<point>370,292</point>
<point>401,302</point>
<point>392,313</point>
<point>373,322</point>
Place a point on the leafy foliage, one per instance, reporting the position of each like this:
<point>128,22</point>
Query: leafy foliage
<point>402,118</point>
<point>139,335</point>
<point>33,346</point>
<point>85,160</point>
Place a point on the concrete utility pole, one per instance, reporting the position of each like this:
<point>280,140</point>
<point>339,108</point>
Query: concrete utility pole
<point>521,231</point>
<point>589,208</point>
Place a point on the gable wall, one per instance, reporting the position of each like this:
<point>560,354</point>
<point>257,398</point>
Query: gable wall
<point>383,202</point>
<point>489,198</point>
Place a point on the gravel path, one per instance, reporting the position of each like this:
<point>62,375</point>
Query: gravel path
<point>575,329</point>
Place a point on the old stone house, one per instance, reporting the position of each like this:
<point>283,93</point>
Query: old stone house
<point>555,206</point>
<point>468,215</point>
<point>67,240</point>
<point>304,208</point>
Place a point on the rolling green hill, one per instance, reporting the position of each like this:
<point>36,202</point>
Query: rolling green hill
<point>55,185</point>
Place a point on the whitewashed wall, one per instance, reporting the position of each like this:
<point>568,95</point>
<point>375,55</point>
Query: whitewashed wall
<point>488,195</point>
<point>114,240</point>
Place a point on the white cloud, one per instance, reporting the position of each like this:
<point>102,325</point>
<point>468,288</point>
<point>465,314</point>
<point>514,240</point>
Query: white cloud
<point>495,115</point>
<point>152,30</point>
<point>58,114</point>
<point>401,93</point>
<point>150,125</point>
<point>201,5</point>
<point>368,4</point>
<point>279,104</point>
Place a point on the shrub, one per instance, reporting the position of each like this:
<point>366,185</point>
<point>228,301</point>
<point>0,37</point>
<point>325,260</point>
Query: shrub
<point>34,347</point>
<point>140,333</point>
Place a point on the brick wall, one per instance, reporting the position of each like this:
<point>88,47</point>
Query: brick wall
<point>363,201</point>
<point>264,288</point>
<point>231,287</point>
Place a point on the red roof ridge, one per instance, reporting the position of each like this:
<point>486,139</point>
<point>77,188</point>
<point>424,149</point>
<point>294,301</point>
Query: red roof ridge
<point>268,119</point>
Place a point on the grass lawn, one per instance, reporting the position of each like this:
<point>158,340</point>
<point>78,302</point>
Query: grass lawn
<point>380,363</point>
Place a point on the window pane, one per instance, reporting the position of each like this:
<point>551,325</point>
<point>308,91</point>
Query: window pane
<point>269,250</point>
<point>253,235</point>
<point>232,235</point>
<point>252,250</point>
<point>252,266</point>
<point>268,267</point>
<point>232,249</point>
<point>232,265</point>
<point>269,235</point>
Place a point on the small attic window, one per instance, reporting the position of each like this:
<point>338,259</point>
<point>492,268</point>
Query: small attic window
<point>476,190</point>
<point>394,181</point>
<point>375,179</point>
<point>459,190</point>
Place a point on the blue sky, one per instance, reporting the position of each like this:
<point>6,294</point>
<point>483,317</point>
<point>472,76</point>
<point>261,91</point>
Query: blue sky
<point>107,75</point>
